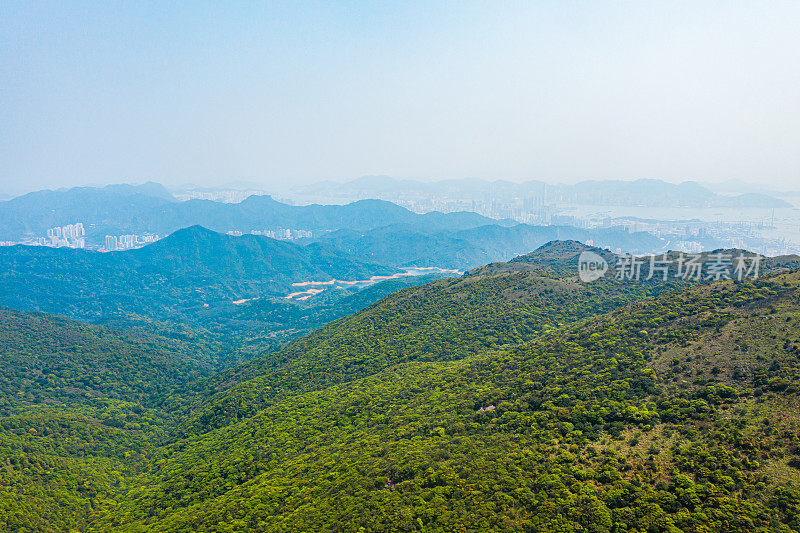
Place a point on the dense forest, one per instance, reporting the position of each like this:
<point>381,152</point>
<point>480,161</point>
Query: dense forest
<point>513,398</point>
<point>234,288</point>
<point>491,308</point>
<point>623,423</point>
<point>80,406</point>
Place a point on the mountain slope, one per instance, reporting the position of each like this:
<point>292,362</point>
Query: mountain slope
<point>580,429</point>
<point>497,306</point>
<point>36,212</point>
<point>54,360</point>
<point>81,407</point>
<point>501,400</point>
<point>193,273</point>
<point>408,245</point>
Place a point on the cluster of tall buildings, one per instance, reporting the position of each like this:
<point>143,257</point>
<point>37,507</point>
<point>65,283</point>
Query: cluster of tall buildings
<point>71,236</point>
<point>116,243</point>
<point>284,233</point>
<point>280,233</point>
<point>226,196</point>
<point>529,210</point>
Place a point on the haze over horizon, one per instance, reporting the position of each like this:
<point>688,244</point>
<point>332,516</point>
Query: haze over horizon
<point>731,186</point>
<point>294,93</point>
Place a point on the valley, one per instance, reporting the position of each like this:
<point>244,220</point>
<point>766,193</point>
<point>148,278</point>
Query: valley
<point>399,267</point>
<point>512,397</point>
<point>320,286</point>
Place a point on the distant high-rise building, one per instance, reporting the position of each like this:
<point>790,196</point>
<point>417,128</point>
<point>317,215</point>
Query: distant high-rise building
<point>128,242</point>
<point>71,235</point>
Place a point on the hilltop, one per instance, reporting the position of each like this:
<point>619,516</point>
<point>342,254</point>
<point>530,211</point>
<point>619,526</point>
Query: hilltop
<point>191,274</point>
<point>489,308</point>
<point>408,245</point>
<point>584,426</point>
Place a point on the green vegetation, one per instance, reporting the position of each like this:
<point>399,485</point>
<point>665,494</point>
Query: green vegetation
<point>193,275</point>
<point>80,406</point>
<point>513,398</point>
<point>445,320</point>
<point>53,360</point>
<point>584,435</point>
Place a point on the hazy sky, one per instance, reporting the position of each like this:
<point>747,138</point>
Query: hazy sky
<point>282,93</point>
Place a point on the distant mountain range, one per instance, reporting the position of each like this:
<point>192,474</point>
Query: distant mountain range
<point>192,273</point>
<point>205,277</point>
<point>375,231</point>
<point>408,245</point>
<point>639,193</point>
<point>149,208</point>
<point>734,186</point>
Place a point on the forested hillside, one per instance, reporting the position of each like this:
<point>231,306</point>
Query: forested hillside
<point>80,406</point>
<point>465,248</point>
<point>53,360</point>
<point>497,306</point>
<point>511,398</point>
<point>619,423</point>
<point>233,287</point>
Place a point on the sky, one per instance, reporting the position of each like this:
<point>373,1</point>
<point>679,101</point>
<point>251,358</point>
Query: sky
<point>291,93</point>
